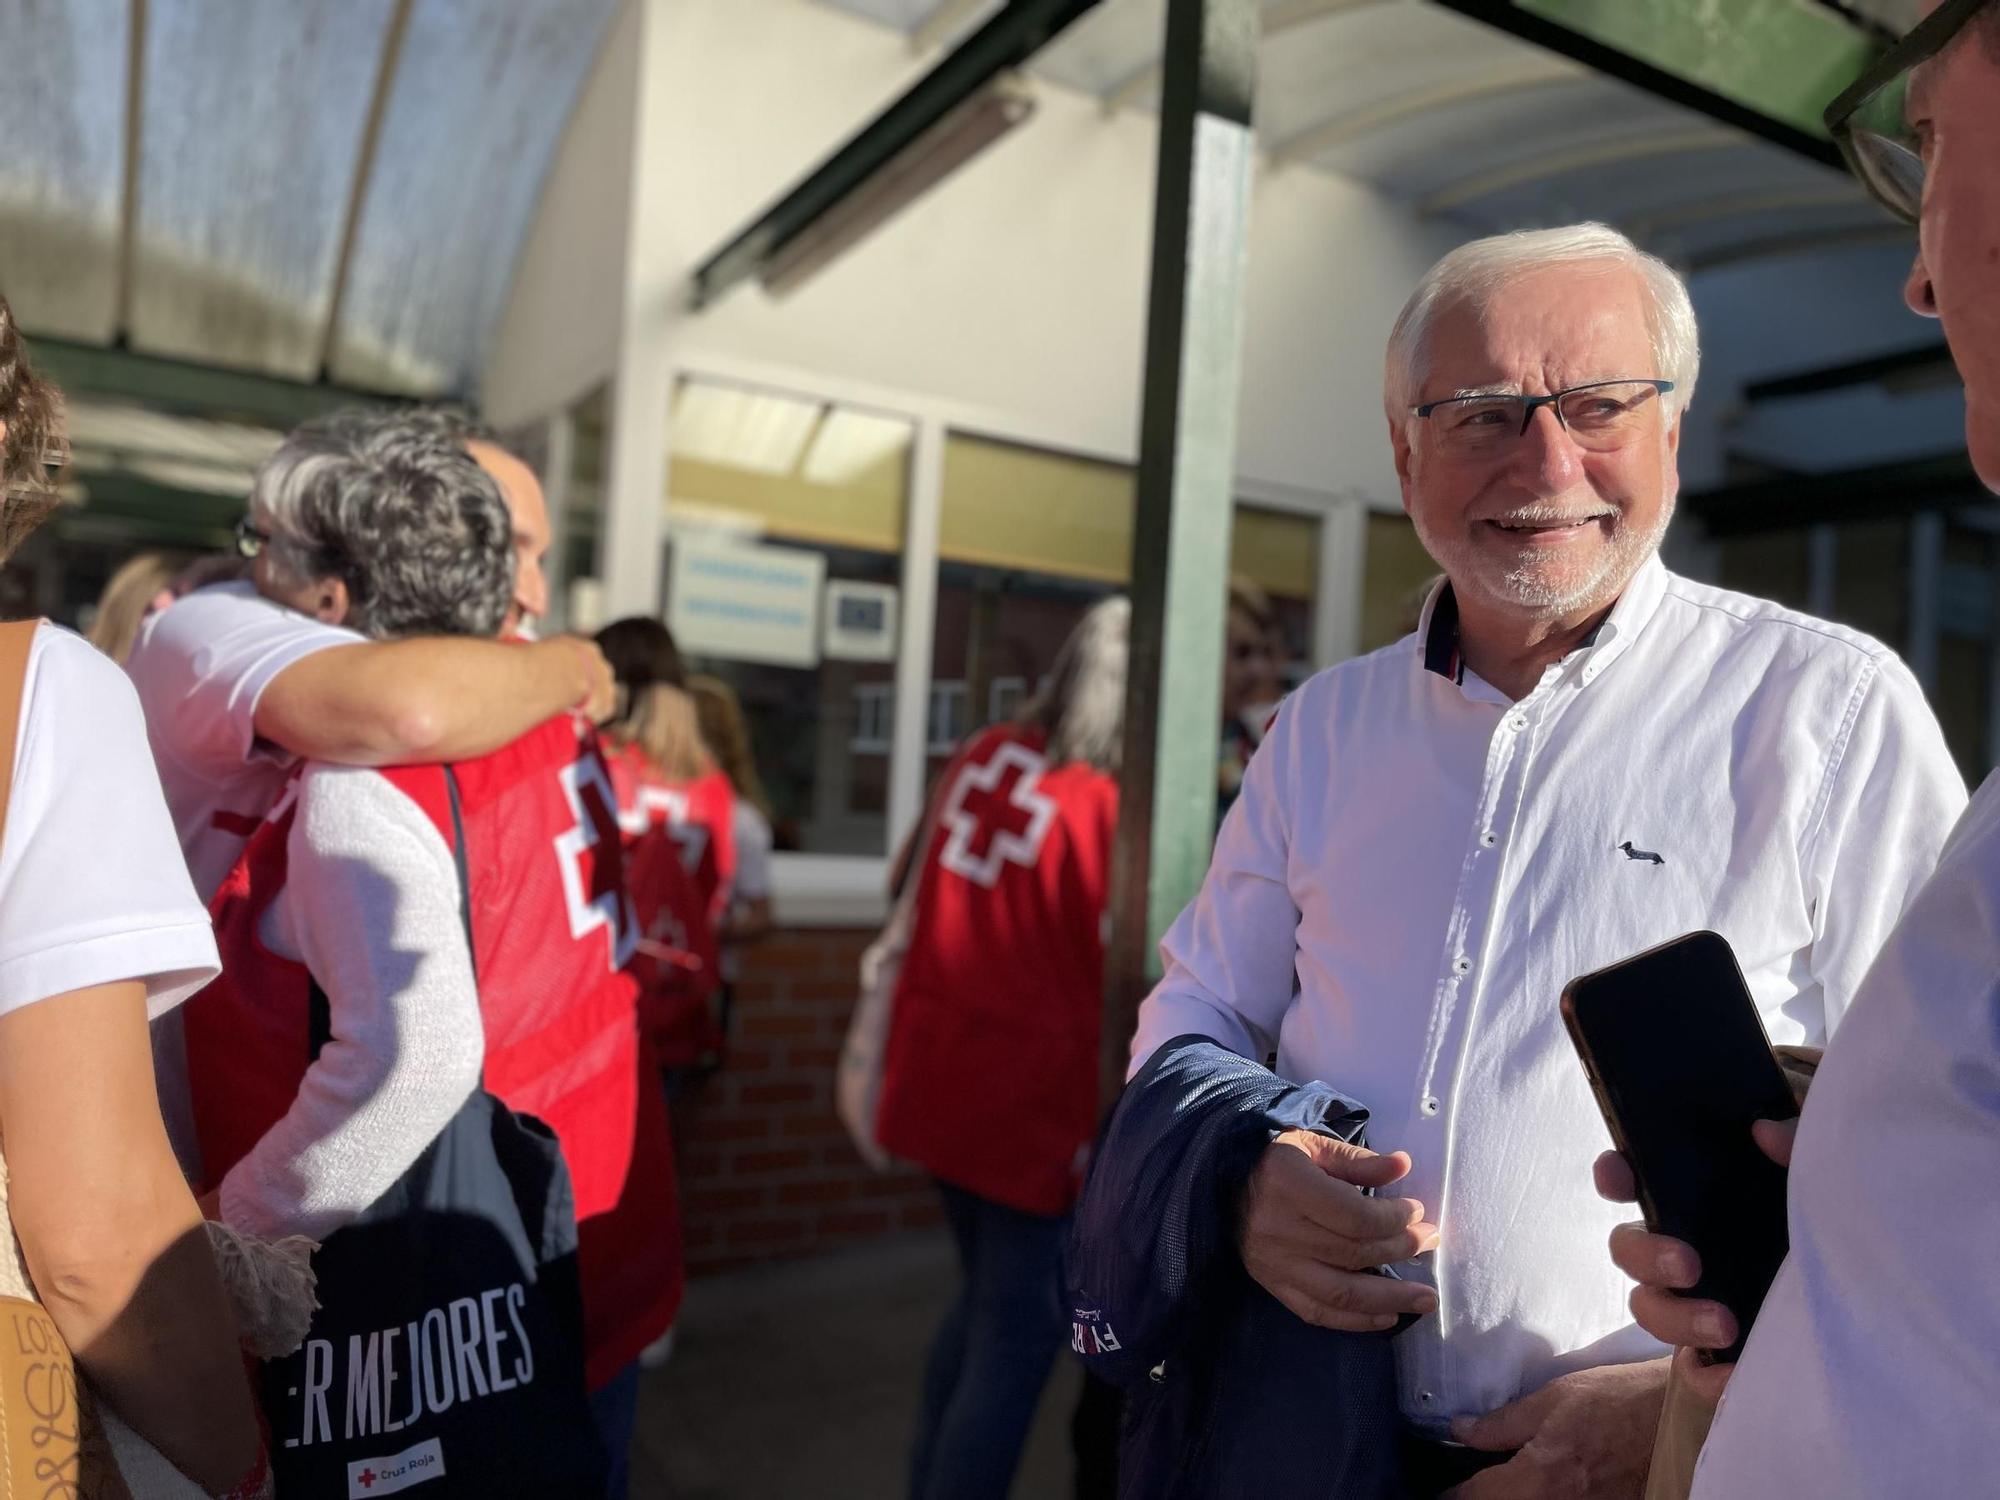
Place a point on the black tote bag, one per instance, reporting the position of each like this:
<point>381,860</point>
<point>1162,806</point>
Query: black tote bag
<point>446,1357</point>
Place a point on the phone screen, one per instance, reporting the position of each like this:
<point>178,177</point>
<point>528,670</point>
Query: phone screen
<point>1681,1066</point>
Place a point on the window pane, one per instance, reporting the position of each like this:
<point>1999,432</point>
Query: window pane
<point>1772,565</point>
<point>1398,575</point>
<point>1278,551</point>
<point>785,521</point>
<point>1871,575</point>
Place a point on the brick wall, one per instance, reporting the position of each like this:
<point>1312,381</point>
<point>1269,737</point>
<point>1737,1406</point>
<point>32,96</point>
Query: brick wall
<point>766,1169</point>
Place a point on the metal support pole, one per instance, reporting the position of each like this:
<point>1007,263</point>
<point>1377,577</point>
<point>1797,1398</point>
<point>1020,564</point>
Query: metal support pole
<point>1187,456</point>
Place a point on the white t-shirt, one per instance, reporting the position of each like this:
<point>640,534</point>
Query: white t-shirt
<point>371,907</point>
<point>1874,1367</point>
<point>92,886</point>
<point>200,666</point>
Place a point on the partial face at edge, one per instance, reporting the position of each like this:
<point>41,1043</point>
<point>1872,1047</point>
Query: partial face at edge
<point>1954,106</point>
<point>530,514</point>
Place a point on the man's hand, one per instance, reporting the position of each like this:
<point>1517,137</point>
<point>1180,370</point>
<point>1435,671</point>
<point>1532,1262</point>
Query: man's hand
<point>1310,1236</point>
<point>600,695</point>
<point>1587,1436</point>
<point>1665,1267</point>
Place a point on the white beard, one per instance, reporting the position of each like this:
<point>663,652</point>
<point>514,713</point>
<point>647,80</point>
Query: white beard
<point>1547,587</point>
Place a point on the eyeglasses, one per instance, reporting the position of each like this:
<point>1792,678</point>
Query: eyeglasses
<point>249,540</point>
<point>1869,123</point>
<point>1601,416</point>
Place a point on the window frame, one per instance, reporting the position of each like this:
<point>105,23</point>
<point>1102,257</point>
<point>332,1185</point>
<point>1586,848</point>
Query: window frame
<point>823,890</point>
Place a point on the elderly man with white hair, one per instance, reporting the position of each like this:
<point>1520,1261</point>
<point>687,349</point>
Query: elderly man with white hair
<point>1578,755</point>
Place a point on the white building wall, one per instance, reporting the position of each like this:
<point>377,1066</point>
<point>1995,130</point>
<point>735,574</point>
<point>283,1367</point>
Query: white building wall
<point>1014,293</point>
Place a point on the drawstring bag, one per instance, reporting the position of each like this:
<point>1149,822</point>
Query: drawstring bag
<point>447,1354</point>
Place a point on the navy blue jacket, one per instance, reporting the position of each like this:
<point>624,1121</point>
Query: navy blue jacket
<point>1228,1393</point>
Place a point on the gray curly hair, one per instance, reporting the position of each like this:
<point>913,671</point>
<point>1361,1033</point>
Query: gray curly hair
<point>390,503</point>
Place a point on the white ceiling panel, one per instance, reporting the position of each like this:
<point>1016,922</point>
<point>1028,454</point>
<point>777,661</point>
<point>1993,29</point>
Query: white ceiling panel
<point>902,15</point>
<point>1105,47</point>
<point>250,138</point>
<point>480,100</point>
<point>62,116</point>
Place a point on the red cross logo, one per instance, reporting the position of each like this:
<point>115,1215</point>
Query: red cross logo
<point>366,1479</point>
<point>995,813</point>
<point>593,899</point>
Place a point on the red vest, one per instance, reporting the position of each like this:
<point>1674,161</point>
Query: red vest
<point>680,861</point>
<point>553,929</point>
<point>990,1078</point>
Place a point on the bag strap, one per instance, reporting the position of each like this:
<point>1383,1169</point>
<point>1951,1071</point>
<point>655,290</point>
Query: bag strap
<point>320,1013</point>
<point>17,641</point>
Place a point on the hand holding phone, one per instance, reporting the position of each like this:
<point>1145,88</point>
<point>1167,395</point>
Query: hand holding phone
<point>1682,1070</point>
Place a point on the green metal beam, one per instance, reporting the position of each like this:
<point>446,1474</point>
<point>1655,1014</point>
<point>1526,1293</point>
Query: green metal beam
<point>197,390</point>
<point>1767,67</point>
<point>1186,485</point>
<point>1784,58</point>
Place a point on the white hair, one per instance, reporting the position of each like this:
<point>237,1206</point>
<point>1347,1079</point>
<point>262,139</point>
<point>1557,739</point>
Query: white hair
<point>1477,271</point>
<point>1083,705</point>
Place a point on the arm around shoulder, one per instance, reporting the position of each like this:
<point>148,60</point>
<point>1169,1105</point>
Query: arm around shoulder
<point>380,703</point>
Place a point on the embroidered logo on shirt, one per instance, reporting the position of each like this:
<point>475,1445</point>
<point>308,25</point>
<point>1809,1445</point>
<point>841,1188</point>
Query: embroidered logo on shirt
<point>1646,854</point>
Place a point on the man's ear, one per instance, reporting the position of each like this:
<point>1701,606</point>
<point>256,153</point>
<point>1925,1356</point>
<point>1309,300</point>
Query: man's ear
<point>1399,444</point>
<point>329,601</point>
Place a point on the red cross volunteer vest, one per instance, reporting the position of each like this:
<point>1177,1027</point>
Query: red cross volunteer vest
<point>990,1076</point>
<point>553,931</point>
<point>680,862</point>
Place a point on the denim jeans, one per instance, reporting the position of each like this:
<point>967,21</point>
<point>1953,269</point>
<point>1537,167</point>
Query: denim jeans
<point>991,1355</point>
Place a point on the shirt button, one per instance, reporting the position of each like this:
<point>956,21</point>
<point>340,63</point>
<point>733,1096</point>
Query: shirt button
<point>1518,723</point>
<point>1426,1397</point>
<point>1489,838</point>
<point>1430,1104</point>
<point>1461,965</point>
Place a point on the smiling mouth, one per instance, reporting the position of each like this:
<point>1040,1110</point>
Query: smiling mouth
<point>1525,527</point>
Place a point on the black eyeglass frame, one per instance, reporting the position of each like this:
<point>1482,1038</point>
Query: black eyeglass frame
<point>1924,41</point>
<point>1532,404</point>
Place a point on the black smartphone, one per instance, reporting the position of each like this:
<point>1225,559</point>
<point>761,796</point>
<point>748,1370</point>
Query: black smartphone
<point>1681,1067</point>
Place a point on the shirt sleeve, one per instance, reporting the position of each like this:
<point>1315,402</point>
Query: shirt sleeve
<point>1229,958</point>
<point>371,907</point>
<point>201,667</point>
<point>1893,795</point>
<point>93,889</point>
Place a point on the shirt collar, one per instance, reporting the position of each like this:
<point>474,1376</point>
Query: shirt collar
<point>1437,627</point>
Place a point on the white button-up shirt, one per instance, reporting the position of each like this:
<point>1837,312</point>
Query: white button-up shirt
<point>1417,866</point>
<point>1874,1368</point>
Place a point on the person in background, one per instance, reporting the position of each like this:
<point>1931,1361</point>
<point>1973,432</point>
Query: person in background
<point>1250,684</point>
<point>727,735</point>
<point>240,685</point>
<point>100,928</point>
<point>677,810</point>
<point>556,1009</point>
<point>989,1078</point>
<point>142,585</point>
<point>1873,1368</point>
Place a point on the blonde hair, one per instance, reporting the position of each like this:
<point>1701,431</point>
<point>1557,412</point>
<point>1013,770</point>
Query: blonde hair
<point>727,735</point>
<point>664,723</point>
<point>127,600</point>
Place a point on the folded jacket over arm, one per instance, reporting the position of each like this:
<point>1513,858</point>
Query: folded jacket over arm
<point>1229,1393</point>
